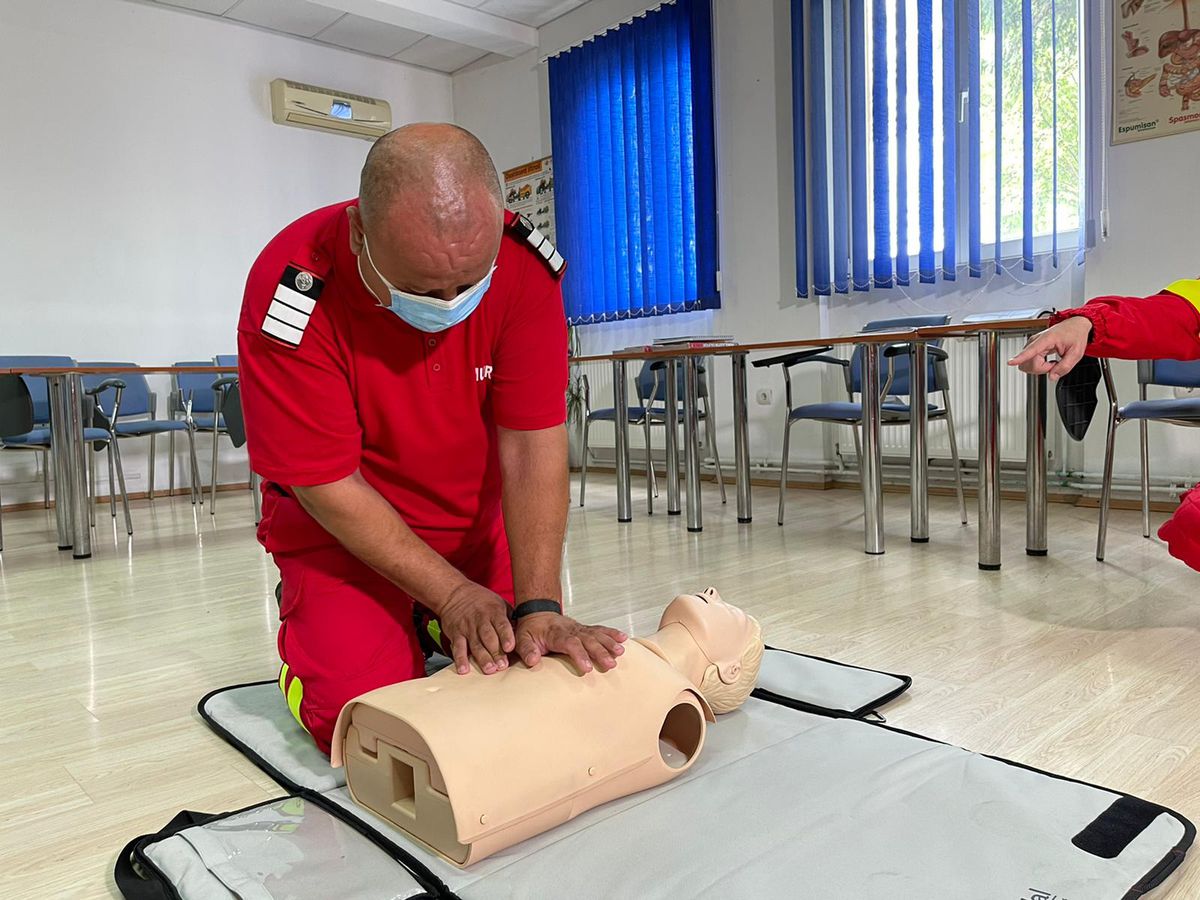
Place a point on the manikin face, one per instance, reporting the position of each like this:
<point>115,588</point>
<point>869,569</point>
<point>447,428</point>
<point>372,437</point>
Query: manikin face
<point>723,632</point>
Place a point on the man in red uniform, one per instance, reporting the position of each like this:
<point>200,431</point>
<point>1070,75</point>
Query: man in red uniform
<point>403,366</point>
<point>1164,326</point>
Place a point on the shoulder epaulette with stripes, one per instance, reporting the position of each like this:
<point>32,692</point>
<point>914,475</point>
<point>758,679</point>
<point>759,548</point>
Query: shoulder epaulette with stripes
<point>294,301</point>
<point>541,245</point>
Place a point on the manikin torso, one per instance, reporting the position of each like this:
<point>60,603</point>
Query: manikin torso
<point>471,764</point>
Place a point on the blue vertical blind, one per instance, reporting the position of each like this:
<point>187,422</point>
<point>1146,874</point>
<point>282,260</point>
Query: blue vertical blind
<point>926,126</point>
<point>631,120</point>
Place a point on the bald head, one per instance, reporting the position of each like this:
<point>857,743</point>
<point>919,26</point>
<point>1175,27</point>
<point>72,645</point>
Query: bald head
<point>430,209</point>
<point>436,171</point>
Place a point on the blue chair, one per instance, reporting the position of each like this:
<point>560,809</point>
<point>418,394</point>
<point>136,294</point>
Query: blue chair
<point>894,384</point>
<point>195,402</point>
<point>634,415</point>
<point>39,437</point>
<point>16,417</point>
<point>138,407</point>
<point>651,388</point>
<point>1171,411</point>
<point>39,392</point>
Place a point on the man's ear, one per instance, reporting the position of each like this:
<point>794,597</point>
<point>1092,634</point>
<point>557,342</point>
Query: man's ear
<point>356,229</point>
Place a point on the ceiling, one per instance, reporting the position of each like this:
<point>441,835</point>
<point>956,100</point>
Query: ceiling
<point>444,35</point>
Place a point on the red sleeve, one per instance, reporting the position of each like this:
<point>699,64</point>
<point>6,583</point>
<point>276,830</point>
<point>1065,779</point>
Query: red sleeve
<point>301,423</point>
<point>529,385</point>
<point>1165,326</point>
<point>1182,530</point>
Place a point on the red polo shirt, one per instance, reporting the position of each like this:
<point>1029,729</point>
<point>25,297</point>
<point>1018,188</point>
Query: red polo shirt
<point>332,382</point>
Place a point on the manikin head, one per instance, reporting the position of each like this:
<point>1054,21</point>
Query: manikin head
<point>730,641</point>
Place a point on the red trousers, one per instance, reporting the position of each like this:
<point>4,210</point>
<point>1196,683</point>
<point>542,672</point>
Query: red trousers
<point>345,629</point>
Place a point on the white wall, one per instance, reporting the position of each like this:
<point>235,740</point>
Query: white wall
<point>140,175</point>
<point>1151,239</point>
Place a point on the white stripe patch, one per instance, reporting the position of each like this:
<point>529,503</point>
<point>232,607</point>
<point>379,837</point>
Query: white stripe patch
<point>293,317</point>
<point>295,299</point>
<point>284,332</point>
<point>556,261</point>
<point>547,250</point>
<point>536,238</point>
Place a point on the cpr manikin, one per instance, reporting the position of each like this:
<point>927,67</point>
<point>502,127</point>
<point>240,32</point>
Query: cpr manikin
<point>471,764</point>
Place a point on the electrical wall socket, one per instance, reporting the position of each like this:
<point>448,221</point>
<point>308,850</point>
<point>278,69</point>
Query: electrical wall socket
<point>764,397</point>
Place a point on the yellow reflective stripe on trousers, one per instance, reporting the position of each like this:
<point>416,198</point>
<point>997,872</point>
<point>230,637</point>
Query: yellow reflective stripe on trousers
<point>1188,289</point>
<point>293,692</point>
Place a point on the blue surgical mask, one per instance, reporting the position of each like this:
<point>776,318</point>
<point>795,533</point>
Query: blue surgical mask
<point>428,313</point>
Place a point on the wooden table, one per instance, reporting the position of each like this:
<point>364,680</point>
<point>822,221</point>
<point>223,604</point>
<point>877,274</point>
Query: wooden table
<point>68,450</point>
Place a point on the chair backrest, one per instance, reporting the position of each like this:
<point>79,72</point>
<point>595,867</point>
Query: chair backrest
<point>16,406</point>
<point>644,383</point>
<point>231,409</point>
<point>197,384</point>
<point>229,360</point>
<point>900,364</point>
<point>39,389</point>
<point>135,399</point>
<point>1169,372</point>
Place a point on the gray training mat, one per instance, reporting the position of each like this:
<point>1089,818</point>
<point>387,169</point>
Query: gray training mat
<point>786,801</point>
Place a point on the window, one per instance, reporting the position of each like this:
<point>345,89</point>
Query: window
<point>932,133</point>
<point>635,178</point>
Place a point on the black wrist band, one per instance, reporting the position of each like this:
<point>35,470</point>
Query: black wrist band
<point>529,607</point>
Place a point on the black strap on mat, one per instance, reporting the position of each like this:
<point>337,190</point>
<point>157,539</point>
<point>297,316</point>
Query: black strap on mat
<point>138,881</point>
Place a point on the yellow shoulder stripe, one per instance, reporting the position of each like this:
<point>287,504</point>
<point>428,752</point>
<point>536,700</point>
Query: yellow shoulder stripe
<point>1188,289</point>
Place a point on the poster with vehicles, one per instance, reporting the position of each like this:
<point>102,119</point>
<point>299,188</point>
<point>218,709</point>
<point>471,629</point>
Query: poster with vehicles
<point>1156,68</point>
<point>529,190</point>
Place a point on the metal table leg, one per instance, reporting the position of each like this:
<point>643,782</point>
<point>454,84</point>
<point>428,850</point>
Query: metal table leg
<point>918,432</point>
<point>691,429</point>
<point>77,463</point>
<point>621,422</point>
<point>741,439</point>
<point>671,423</point>
<point>989,450</point>
<point>1035,465</point>
<point>872,457</point>
<point>59,447</point>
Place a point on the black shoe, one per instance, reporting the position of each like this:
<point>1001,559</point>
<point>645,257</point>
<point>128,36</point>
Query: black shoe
<point>1076,396</point>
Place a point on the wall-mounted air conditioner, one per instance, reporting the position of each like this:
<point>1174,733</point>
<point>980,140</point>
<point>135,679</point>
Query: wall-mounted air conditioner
<point>307,106</point>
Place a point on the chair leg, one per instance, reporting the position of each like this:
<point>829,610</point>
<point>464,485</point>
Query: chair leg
<point>1106,491</point>
<point>1144,426</point>
<point>712,442</point>
<point>958,483</point>
<point>651,486</point>
<point>116,454</point>
<point>212,502</point>
<point>194,465</point>
<point>112,480</point>
<point>256,496</point>
<point>857,446</point>
<point>783,467</point>
<point>153,465</point>
<point>46,479</point>
<point>171,464</point>
<point>583,462</point>
<point>91,487</point>
<point>1,524</point>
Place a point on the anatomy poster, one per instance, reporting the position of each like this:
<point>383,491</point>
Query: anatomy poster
<point>1156,68</point>
<point>529,190</point>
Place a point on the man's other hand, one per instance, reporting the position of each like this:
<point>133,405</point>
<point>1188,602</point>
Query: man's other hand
<point>541,634</point>
<point>1068,339</point>
<point>474,622</point>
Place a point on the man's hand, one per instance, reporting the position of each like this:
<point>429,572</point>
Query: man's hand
<point>1068,339</point>
<point>544,633</point>
<point>474,621</point>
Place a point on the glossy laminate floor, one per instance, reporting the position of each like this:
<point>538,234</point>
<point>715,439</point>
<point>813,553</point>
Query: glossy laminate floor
<point>1088,669</point>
